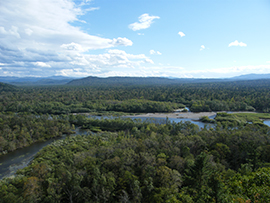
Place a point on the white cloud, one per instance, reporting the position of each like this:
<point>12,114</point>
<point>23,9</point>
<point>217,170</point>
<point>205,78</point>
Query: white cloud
<point>40,33</point>
<point>48,23</point>
<point>153,52</point>
<point>180,72</point>
<point>140,33</point>
<point>113,61</point>
<point>147,60</point>
<point>202,48</point>
<point>28,31</point>
<point>72,47</point>
<point>2,30</point>
<point>41,64</point>
<point>228,71</point>
<point>114,58</point>
<point>236,43</point>
<point>121,41</point>
<point>92,9</point>
<point>181,34</point>
<point>12,31</point>
<point>267,61</point>
<point>144,22</point>
<point>37,38</point>
<point>72,72</point>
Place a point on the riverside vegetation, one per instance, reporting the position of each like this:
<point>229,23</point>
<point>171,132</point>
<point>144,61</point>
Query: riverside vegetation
<point>133,161</point>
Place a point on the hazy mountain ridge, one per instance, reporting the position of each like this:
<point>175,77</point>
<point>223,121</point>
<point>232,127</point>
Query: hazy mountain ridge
<point>251,77</point>
<point>96,81</point>
<point>25,81</point>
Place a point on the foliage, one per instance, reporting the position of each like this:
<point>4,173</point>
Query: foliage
<point>215,96</point>
<point>136,161</point>
<point>20,130</point>
<point>148,162</point>
<point>240,118</point>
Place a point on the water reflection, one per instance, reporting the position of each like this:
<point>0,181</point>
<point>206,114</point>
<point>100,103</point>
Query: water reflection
<point>176,120</point>
<point>20,158</point>
<point>266,122</point>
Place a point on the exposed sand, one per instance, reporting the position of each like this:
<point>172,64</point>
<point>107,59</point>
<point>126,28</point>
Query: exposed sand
<point>190,115</point>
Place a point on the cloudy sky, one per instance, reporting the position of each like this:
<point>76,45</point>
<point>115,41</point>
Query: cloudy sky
<point>172,38</point>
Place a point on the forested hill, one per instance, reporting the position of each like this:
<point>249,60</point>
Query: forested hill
<point>6,87</point>
<point>119,81</point>
<point>96,81</point>
<point>35,81</point>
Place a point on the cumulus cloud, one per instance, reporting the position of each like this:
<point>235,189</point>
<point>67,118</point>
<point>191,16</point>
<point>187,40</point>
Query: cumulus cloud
<point>41,64</point>
<point>121,41</point>
<point>78,64</point>
<point>153,52</point>
<point>144,22</point>
<point>181,34</point>
<point>72,47</point>
<point>37,35</point>
<point>202,48</point>
<point>236,43</point>
<point>147,60</point>
<point>99,65</point>
<point>12,31</point>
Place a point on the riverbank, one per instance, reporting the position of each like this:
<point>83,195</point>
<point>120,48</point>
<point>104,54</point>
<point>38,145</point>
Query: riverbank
<point>189,115</point>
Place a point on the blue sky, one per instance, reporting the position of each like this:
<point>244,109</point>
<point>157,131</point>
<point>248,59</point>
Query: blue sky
<point>173,38</point>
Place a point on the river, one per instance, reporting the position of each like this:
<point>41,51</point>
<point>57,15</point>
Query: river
<point>20,158</point>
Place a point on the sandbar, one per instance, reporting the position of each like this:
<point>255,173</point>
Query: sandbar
<point>190,115</point>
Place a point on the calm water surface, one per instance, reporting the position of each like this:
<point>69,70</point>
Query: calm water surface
<point>20,158</point>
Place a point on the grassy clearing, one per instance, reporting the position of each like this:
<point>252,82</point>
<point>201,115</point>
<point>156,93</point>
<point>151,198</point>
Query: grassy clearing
<point>242,118</point>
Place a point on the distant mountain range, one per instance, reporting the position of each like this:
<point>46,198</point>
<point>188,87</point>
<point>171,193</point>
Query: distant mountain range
<point>96,81</point>
<point>251,77</point>
<point>36,81</point>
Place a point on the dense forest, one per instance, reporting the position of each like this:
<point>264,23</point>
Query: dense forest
<point>226,96</point>
<point>21,130</point>
<point>127,160</point>
<point>147,162</point>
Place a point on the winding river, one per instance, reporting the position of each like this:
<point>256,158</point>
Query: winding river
<point>20,158</point>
